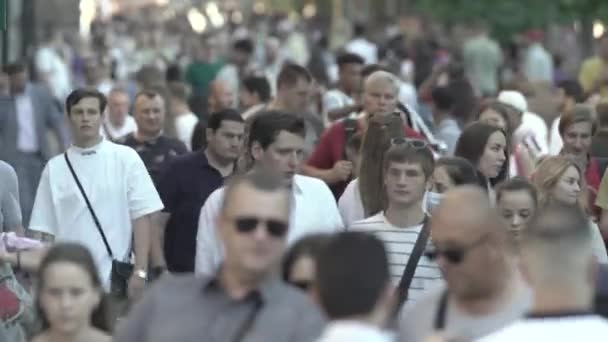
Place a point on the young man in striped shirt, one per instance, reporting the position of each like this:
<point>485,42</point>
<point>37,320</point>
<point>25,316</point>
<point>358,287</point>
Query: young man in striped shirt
<point>407,169</point>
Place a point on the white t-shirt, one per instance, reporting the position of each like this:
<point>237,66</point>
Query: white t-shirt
<point>364,48</point>
<point>335,99</point>
<point>555,142</point>
<point>533,125</point>
<point>399,243</point>
<point>116,133</point>
<point>49,62</point>
<point>588,328</point>
<point>350,204</point>
<point>184,126</point>
<point>313,211</point>
<point>119,188</point>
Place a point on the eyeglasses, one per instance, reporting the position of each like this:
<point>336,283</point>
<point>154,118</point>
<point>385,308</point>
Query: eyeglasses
<point>303,285</point>
<point>454,255</point>
<point>413,143</point>
<point>275,228</point>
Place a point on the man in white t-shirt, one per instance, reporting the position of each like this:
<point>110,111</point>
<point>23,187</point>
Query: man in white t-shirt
<point>484,291</point>
<point>117,122</point>
<point>340,102</point>
<point>361,46</point>
<point>570,93</point>
<point>185,120</point>
<point>117,185</point>
<point>275,141</point>
<point>558,263</point>
<point>406,175</point>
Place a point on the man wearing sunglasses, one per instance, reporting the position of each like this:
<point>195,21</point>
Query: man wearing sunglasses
<point>485,290</point>
<point>245,300</point>
<point>276,142</point>
<point>407,168</point>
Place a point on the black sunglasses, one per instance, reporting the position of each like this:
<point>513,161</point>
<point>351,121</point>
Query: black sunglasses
<point>303,285</point>
<point>275,228</point>
<point>454,255</point>
<point>413,143</point>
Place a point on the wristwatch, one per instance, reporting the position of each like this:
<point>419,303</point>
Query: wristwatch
<point>141,273</point>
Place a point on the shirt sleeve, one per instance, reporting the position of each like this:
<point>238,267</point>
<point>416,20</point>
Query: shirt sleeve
<point>44,217</point>
<point>209,249</point>
<point>141,194</point>
<point>330,102</point>
<point>331,213</point>
<point>347,205</point>
<point>322,157</point>
<point>168,188</point>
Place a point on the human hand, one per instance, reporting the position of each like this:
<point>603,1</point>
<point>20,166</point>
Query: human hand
<point>135,287</point>
<point>342,170</point>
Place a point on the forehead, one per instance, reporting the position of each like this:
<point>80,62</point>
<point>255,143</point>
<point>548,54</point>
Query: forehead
<point>86,102</point>
<point>63,273</point>
<point>516,198</point>
<point>118,96</point>
<point>380,85</point>
<point>580,127</point>
<point>231,125</point>
<point>571,172</point>
<point>405,166</point>
<point>287,139</point>
<point>245,200</point>
<point>146,101</point>
<point>497,138</point>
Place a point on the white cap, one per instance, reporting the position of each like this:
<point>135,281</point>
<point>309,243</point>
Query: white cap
<point>514,99</point>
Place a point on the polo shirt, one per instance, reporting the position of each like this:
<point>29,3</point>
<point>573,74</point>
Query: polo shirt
<point>186,308</point>
<point>313,210</point>
<point>330,149</point>
<point>156,152</point>
<point>119,189</point>
<point>184,186</point>
<point>555,328</point>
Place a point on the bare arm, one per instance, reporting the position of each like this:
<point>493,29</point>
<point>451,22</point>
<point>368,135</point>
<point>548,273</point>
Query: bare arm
<point>328,176</point>
<point>158,239</point>
<point>142,228</point>
<point>342,112</point>
<point>27,260</point>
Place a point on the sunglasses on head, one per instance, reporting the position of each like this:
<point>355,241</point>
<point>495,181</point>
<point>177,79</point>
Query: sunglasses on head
<point>274,228</point>
<point>414,143</point>
<point>454,255</point>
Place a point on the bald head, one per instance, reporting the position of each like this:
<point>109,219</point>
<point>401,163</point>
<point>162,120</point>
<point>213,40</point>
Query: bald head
<point>221,96</point>
<point>556,247</point>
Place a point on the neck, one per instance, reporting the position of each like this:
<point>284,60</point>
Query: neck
<point>405,215</point>
<point>276,104</point>
<point>117,122</point>
<point>236,285</point>
<point>141,136</point>
<point>224,166</point>
<point>493,302</point>
<point>440,116</point>
<point>549,299</point>
<point>76,336</point>
<point>88,143</point>
<point>180,109</point>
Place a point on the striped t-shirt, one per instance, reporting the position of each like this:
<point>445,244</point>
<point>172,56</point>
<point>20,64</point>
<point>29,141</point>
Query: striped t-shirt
<point>399,244</point>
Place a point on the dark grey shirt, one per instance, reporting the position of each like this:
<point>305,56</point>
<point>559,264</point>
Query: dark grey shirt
<point>188,309</point>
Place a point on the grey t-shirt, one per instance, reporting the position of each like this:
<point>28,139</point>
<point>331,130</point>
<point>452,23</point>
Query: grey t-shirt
<point>10,212</point>
<point>417,322</point>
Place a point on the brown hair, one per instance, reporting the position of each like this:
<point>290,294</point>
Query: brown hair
<point>579,113</point>
<point>376,140</point>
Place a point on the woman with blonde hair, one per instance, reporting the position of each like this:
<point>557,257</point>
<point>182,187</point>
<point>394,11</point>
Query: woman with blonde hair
<point>560,179</point>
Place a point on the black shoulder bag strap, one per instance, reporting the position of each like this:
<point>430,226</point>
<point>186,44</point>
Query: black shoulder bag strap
<point>440,316</point>
<point>412,264</point>
<point>86,199</point>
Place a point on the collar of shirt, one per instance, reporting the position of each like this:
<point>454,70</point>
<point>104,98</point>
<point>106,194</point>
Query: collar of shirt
<point>88,151</point>
<point>355,331</point>
<point>204,162</point>
<point>264,292</point>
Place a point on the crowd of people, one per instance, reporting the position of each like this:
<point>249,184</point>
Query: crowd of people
<point>283,192</point>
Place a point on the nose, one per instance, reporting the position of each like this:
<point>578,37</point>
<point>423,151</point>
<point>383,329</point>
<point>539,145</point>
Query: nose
<point>576,187</point>
<point>516,221</point>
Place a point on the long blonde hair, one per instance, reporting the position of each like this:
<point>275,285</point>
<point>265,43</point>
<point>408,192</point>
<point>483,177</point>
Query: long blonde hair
<point>547,175</point>
<point>376,141</point>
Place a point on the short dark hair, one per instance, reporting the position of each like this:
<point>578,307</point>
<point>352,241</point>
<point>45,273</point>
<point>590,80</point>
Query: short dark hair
<point>149,76</point>
<point>308,246</point>
<point>517,184</point>
<point>404,153</point>
<point>79,255</point>
<point>216,119</point>
<point>180,91</point>
<point>149,93</point>
<point>359,29</point>
<point>244,45</point>
<point>291,73</point>
<point>442,98</point>
<point>81,93</point>
<point>349,58</point>
<point>460,170</point>
<point>258,85</point>
<point>14,68</point>
<point>573,89</point>
<point>350,282</point>
<point>266,126</point>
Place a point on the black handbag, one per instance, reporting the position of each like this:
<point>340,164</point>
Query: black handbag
<point>121,271</point>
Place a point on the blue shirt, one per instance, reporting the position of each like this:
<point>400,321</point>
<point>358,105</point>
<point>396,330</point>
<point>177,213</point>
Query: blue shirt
<point>184,186</point>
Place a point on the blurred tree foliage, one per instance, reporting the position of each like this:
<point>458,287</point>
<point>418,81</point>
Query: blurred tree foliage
<point>507,17</point>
